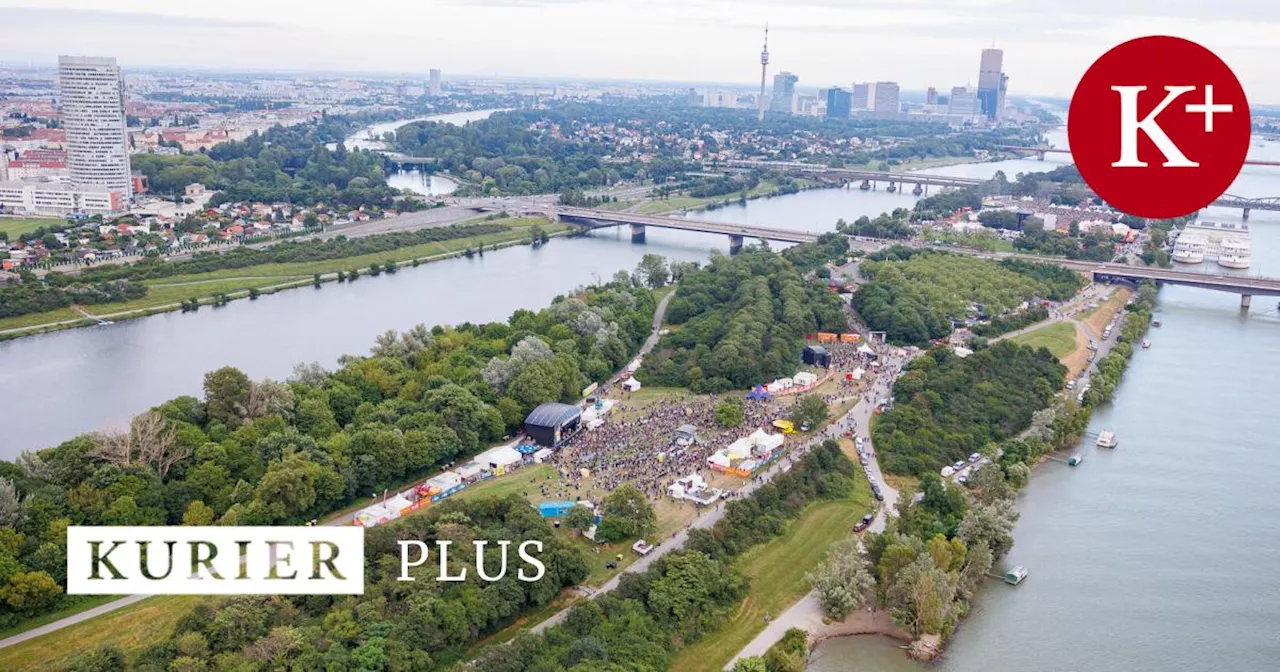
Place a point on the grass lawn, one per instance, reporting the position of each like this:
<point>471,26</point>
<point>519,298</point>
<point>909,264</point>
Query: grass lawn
<point>776,572</point>
<point>16,226</point>
<point>1098,318</point>
<point>616,205</point>
<point>119,628</point>
<point>1059,338</point>
<point>672,204</point>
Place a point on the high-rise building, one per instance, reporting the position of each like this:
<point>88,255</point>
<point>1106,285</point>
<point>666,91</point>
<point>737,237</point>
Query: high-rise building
<point>884,104</point>
<point>839,102</point>
<point>433,86</point>
<point>931,96</point>
<point>989,76</point>
<point>92,101</point>
<point>784,93</point>
<point>963,102</point>
<point>1004,86</point>
<point>861,96</point>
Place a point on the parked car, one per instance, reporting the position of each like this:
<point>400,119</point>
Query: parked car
<point>958,465</point>
<point>864,523</point>
<point>975,457</point>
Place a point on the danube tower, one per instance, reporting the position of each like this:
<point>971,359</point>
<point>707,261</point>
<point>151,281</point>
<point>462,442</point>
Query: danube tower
<point>764,65</point>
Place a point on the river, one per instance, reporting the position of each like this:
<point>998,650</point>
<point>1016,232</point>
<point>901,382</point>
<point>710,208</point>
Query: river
<point>427,184</point>
<point>1154,556</point>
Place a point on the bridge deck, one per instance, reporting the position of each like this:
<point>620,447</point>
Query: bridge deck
<point>609,218</point>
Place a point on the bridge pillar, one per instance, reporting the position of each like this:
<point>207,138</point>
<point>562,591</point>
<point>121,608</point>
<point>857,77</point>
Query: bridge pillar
<point>1246,213</point>
<point>866,184</point>
<point>918,190</point>
<point>735,243</point>
<point>637,233</point>
<point>1245,300</point>
<point>1040,156</point>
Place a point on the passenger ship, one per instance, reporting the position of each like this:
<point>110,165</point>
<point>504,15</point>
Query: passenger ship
<point>1189,249</point>
<point>1235,254</point>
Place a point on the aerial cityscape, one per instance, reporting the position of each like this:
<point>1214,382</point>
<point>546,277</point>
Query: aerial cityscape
<point>844,369</point>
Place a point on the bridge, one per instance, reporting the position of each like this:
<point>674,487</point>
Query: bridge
<point>593,219</point>
<point>1246,286</point>
<point>869,178</point>
<point>1042,151</point>
<point>402,160</point>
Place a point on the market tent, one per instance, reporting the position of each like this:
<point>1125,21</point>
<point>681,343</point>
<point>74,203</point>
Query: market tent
<point>502,456</point>
<point>444,480</point>
<point>864,349</point>
<point>631,384</point>
<point>805,379</point>
<point>470,471</point>
<point>719,459</point>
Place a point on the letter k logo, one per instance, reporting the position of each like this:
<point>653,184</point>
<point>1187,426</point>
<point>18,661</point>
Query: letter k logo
<point>1130,125</point>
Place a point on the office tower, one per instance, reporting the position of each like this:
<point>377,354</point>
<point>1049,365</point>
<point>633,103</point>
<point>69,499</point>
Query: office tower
<point>92,102</point>
<point>963,103</point>
<point>931,96</point>
<point>764,66</point>
<point>884,102</point>
<point>989,75</point>
<point>861,96</point>
<point>784,93</point>
<point>839,102</point>
<point>1004,86</point>
<point>433,88</point>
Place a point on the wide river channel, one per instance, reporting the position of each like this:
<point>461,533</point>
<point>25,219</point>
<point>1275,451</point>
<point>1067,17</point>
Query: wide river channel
<point>1156,556</point>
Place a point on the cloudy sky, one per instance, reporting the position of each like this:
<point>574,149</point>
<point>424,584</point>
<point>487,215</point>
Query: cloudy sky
<point>1047,43</point>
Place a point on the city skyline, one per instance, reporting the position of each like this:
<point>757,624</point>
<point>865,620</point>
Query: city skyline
<point>931,43</point>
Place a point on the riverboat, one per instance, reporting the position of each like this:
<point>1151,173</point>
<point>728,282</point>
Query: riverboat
<point>1075,460</point>
<point>1015,576</point>
<point>1107,439</point>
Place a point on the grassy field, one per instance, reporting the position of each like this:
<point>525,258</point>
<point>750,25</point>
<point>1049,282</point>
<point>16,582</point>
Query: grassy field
<point>86,603</point>
<point>16,226</point>
<point>119,628</point>
<point>1098,318</point>
<point>672,204</point>
<point>178,288</point>
<point>776,571</point>
<point>1059,338</point>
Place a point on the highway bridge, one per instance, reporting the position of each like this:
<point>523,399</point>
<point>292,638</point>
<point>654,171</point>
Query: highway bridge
<point>593,219</point>
<point>869,178</point>
<point>1246,286</point>
<point>1041,151</point>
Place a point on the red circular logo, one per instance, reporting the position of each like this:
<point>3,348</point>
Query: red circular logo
<point>1159,127</point>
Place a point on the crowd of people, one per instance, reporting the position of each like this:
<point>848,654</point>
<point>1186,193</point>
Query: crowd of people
<point>639,445</point>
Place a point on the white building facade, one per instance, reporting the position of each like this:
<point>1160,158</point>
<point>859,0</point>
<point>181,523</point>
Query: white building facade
<point>92,102</point>
<point>56,199</point>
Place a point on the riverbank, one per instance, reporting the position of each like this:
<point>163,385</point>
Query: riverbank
<point>218,287</point>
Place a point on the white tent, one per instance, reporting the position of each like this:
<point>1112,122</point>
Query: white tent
<point>502,456</point>
<point>858,373</point>
<point>398,503</point>
<point>470,470</point>
<point>445,480</point>
<point>719,459</point>
<point>804,378</point>
<point>865,350</point>
<point>631,384</point>
<point>739,449</point>
<point>542,455</point>
<point>770,442</point>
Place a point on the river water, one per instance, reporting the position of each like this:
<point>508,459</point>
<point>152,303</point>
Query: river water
<point>427,184</point>
<point>1155,556</point>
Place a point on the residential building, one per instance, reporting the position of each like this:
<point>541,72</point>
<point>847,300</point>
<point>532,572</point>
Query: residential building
<point>861,96</point>
<point>989,82</point>
<point>60,199</point>
<point>433,87</point>
<point>839,103</point>
<point>784,93</point>
<point>884,104</point>
<point>931,96</point>
<point>91,95</point>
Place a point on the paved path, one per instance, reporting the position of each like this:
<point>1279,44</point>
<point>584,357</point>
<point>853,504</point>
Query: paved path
<point>807,613</point>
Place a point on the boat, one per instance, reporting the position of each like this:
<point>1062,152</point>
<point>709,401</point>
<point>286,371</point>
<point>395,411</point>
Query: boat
<point>1155,323</point>
<point>105,323</point>
<point>1235,254</point>
<point>1075,460</point>
<point>1107,439</point>
<point>1146,344</point>
<point>1015,576</point>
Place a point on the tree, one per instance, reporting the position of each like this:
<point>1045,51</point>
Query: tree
<point>226,393</point>
<point>728,413</point>
<point>750,664</point>
<point>13,509</point>
<point>101,659</point>
<point>198,513</point>
<point>652,268</point>
<point>30,592</point>
<point>628,511</point>
<point>579,518</point>
<point>989,525</point>
<point>810,410</point>
<point>843,580</point>
<point>920,598</point>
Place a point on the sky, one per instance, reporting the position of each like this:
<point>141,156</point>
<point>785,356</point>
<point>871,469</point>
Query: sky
<point>1047,44</point>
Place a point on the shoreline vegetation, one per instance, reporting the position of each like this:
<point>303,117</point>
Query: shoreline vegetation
<point>216,288</point>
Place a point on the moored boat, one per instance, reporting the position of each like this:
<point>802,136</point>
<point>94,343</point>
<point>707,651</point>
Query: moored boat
<point>1107,439</point>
